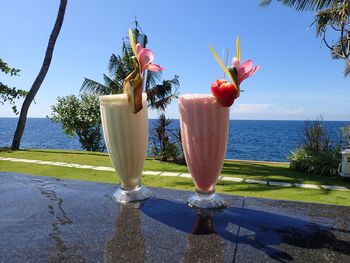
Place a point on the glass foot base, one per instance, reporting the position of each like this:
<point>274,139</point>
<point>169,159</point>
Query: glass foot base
<point>203,200</point>
<point>125,196</point>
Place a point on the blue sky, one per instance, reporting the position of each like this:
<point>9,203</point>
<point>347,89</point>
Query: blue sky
<point>298,80</point>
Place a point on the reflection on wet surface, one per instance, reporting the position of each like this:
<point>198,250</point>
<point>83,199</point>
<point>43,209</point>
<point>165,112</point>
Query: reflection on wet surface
<point>72,221</point>
<point>266,230</point>
<point>203,244</point>
<point>269,231</point>
<point>204,223</point>
<point>62,252</point>
<point>127,244</point>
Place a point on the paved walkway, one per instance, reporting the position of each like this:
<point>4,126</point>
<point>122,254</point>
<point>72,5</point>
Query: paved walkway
<point>185,175</point>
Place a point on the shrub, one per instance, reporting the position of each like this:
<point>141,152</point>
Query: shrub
<point>80,116</point>
<point>316,155</point>
<point>324,163</point>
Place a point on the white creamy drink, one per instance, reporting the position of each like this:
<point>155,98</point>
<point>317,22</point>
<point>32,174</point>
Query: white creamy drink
<point>126,137</point>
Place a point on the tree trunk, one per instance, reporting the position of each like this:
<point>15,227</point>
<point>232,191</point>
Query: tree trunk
<point>40,78</point>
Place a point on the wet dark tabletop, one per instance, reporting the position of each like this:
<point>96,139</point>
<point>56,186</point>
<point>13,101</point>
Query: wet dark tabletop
<point>44,219</point>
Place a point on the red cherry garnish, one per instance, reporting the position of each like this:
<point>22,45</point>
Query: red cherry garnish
<point>225,92</point>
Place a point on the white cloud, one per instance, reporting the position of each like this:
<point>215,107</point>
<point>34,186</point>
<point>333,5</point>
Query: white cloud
<point>251,108</point>
<point>266,109</point>
<point>290,111</point>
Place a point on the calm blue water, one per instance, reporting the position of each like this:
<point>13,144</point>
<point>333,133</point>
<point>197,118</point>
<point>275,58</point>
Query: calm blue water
<point>252,140</point>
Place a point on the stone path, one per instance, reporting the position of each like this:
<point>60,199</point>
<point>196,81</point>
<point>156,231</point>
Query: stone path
<point>184,175</point>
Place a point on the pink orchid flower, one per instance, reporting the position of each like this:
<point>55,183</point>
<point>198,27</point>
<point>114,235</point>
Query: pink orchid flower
<point>145,57</point>
<point>244,70</point>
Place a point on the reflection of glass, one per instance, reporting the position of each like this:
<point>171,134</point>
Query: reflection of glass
<point>126,136</point>
<point>204,224</point>
<point>204,245</point>
<point>127,244</point>
<point>204,127</point>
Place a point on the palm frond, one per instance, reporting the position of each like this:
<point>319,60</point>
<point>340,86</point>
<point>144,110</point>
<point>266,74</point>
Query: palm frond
<point>127,50</point>
<point>112,64</point>
<point>91,86</point>
<point>163,93</point>
<point>337,48</point>
<point>264,3</point>
<point>119,69</point>
<point>116,87</point>
<point>330,17</point>
<point>153,78</point>
<point>347,70</point>
<point>126,60</point>
<point>165,88</point>
<point>139,36</point>
<point>127,53</point>
<point>175,82</point>
<point>161,104</point>
<point>310,5</point>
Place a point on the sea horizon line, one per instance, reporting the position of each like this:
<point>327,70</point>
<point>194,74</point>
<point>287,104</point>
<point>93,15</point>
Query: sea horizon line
<point>296,120</point>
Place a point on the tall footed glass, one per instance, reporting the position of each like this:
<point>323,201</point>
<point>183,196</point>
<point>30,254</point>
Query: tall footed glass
<point>204,128</point>
<point>126,137</point>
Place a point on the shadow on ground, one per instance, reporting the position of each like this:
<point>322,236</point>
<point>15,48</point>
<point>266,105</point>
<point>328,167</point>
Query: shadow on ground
<point>261,230</point>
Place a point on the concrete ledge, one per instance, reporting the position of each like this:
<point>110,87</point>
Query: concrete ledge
<point>251,181</point>
<point>309,186</point>
<point>185,175</point>
<point>101,168</point>
<point>151,173</point>
<point>232,179</point>
<point>335,187</point>
<point>280,184</point>
<point>169,174</point>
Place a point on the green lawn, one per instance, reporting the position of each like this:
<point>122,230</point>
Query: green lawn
<point>252,170</point>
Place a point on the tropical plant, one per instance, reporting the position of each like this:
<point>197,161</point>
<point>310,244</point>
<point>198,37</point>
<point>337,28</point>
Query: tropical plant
<point>10,94</point>
<point>178,141</point>
<point>81,117</point>
<point>345,137</point>
<point>41,76</point>
<point>159,93</point>
<point>316,155</point>
<point>333,18</point>
<point>324,163</point>
<point>163,148</point>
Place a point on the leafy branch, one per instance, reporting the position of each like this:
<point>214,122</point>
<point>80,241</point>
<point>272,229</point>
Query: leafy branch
<point>10,94</point>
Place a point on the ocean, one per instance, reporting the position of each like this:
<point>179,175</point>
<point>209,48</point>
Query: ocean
<point>248,140</point>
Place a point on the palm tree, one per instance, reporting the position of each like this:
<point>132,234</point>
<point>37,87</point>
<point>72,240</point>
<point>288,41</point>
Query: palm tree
<point>41,76</point>
<point>159,93</point>
<point>163,147</point>
<point>331,15</point>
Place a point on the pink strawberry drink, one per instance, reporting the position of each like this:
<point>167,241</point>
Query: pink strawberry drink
<point>204,127</point>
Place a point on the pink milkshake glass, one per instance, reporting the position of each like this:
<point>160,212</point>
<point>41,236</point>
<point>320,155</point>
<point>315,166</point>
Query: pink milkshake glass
<point>204,128</point>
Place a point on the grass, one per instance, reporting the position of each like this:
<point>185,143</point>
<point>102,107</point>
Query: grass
<point>252,170</point>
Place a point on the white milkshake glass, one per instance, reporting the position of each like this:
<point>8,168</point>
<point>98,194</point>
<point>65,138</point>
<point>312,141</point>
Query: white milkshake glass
<point>126,137</point>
